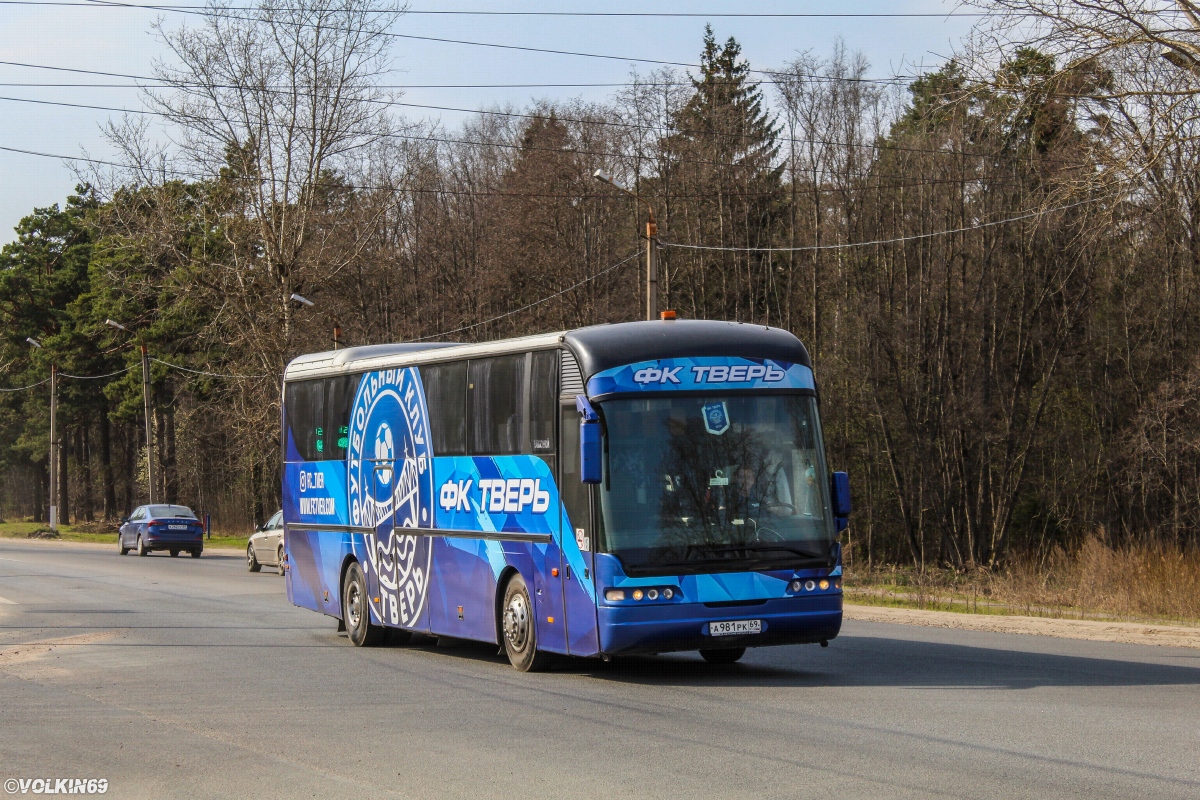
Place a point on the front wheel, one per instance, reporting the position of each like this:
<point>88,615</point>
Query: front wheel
<point>723,656</point>
<point>174,554</point>
<point>520,628</point>
<point>196,553</point>
<point>279,561</point>
<point>121,548</point>
<point>357,615</point>
<point>252,560</point>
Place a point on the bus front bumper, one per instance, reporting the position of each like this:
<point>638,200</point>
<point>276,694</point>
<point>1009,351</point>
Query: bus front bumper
<point>669,627</point>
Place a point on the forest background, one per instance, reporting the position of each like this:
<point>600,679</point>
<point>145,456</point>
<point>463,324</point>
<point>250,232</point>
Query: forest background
<point>994,265</point>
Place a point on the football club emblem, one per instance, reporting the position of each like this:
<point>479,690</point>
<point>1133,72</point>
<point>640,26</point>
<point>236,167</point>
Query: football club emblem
<point>716,418</point>
<point>391,488</point>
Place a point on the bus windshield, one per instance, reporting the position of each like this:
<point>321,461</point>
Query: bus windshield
<point>716,483</point>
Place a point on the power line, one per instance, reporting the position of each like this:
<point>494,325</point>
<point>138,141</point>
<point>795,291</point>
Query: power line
<point>511,114</point>
<point>119,372</point>
<point>506,145</point>
<point>622,84</point>
<point>548,298</point>
<point>848,245</point>
<point>477,13</point>
<point>400,189</point>
<point>494,45</point>
<point>30,386</point>
<point>209,374</point>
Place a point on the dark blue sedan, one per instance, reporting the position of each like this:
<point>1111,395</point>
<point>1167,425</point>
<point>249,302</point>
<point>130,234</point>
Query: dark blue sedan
<point>161,527</point>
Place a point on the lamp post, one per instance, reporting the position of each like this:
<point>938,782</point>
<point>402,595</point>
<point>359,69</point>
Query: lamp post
<point>337,326</point>
<point>150,471</point>
<point>53,437</point>
<point>651,245</point>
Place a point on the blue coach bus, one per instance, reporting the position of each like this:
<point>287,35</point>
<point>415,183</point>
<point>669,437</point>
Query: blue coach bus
<point>642,487</point>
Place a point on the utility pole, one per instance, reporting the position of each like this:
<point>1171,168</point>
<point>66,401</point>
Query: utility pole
<point>53,516</point>
<point>54,449</point>
<point>651,267</point>
<point>651,246</point>
<point>150,454</point>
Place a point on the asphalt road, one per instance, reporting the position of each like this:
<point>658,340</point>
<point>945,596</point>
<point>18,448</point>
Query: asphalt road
<point>194,678</point>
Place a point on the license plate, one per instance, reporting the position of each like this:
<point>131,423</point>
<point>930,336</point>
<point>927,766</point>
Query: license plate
<point>735,627</point>
<point>177,527</point>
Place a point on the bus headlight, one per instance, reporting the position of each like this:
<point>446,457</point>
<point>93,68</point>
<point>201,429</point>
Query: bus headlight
<point>824,585</point>
<point>637,594</point>
<point>614,595</point>
<point>668,593</point>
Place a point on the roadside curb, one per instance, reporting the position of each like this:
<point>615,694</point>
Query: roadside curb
<point>104,546</point>
<point>1092,630</point>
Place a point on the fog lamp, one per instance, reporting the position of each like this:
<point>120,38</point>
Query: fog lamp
<point>637,594</point>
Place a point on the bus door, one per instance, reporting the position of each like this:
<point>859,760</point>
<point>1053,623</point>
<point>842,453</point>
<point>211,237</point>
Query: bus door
<point>578,542</point>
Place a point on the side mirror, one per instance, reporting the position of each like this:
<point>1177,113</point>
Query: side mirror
<point>591,457</point>
<point>839,491</point>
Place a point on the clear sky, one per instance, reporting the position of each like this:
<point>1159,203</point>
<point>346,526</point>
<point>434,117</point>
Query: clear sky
<point>118,39</point>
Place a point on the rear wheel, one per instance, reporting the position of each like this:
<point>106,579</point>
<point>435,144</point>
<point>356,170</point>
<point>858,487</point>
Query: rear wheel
<point>723,656</point>
<point>520,628</point>
<point>251,560</point>
<point>196,553</point>
<point>141,547</point>
<point>356,613</point>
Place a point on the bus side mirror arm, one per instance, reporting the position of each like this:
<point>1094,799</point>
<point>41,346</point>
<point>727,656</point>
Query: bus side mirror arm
<point>839,486</point>
<point>590,454</point>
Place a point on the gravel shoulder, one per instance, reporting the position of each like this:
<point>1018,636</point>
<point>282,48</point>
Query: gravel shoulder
<point>1092,630</point>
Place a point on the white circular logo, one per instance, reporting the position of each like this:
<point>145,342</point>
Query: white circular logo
<point>390,478</point>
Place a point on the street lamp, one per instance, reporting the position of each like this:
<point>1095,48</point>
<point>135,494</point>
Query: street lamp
<point>53,437</point>
<point>337,327</point>
<point>145,404</point>
<point>651,245</point>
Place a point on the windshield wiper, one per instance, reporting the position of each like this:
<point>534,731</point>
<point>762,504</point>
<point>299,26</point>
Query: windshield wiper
<point>767,548</point>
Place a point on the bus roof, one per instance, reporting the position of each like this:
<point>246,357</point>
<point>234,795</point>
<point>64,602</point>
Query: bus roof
<point>597,347</point>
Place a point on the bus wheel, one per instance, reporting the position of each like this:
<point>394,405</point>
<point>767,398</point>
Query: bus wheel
<point>520,628</point>
<point>361,631</point>
<point>723,656</point>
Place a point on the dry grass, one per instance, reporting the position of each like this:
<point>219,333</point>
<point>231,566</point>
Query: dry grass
<point>1146,583</point>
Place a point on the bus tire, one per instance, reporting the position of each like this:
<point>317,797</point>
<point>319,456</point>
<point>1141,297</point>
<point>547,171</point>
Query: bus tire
<point>728,656</point>
<point>356,610</point>
<point>519,627</point>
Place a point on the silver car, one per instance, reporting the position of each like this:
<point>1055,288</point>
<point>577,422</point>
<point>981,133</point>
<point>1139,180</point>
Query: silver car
<point>266,545</point>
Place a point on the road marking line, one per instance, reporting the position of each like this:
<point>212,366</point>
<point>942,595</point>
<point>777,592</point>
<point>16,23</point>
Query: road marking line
<point>5,601</point>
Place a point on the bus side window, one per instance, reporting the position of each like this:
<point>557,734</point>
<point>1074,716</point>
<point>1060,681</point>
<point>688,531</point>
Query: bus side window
<point>339,398</point>
<point>576,495</point>
<point>446,397</point>
<point>543,400</point>
<point>305,403</point>
<point>496,388</point>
